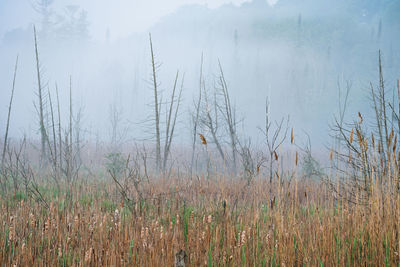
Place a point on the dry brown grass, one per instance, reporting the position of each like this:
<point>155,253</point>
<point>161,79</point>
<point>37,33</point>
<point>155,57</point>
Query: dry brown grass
<point>219,222</point>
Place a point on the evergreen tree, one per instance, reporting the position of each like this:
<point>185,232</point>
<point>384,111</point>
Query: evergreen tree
<point>43,8</point>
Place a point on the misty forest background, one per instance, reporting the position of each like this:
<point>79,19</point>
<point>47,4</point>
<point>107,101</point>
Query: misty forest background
<point>297,55</point>
<point>246,135</point>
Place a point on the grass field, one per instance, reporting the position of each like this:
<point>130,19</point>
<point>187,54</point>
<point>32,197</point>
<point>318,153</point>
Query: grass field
<point>217,222</point>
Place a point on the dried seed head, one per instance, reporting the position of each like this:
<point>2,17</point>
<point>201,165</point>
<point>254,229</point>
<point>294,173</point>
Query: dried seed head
<point>32,220</point>
<point>203,139</point>
<point>11,235</point>
<point>161,232</point>
<point>291,137</point>
<point>88,255</point>
<point>243,238</point>
<point>351,136</point>
<point>373,140</point>
<point>142,233</point>
<point>116,214</point>
<point>46,226</point>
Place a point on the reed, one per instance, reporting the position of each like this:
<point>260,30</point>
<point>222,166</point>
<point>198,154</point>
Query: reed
<point>215,222</point>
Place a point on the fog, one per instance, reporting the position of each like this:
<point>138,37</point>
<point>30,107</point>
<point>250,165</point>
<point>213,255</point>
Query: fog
<point>296,53</point>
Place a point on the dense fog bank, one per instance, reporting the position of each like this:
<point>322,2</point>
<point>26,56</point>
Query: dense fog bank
<point>296,54</point>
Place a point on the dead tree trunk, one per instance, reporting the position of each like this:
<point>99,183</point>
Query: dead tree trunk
<point>9,114</point>
<point>196,117</point>
<point>43,134</point>
<point>3,176</point>
<point>229,115</point>
<point>171,121</point>
<point>156,108</point>
<point>69,136</point>
<point>53,147</point>
<point>59,132</point>
<point>274,138</point>
<point>211,122</point>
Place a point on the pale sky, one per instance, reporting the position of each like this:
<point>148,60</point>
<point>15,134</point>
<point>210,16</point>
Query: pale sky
<point>122,17</point>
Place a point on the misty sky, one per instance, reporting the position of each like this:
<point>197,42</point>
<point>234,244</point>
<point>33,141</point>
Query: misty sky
<point>122,17</point>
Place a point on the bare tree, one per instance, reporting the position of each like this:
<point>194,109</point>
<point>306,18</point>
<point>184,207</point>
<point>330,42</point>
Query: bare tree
<point>129,174</point>
<point>380,105</point>
<point>78,136</point>
<point>40,108</point>
<point>71,115</point>
<point>171,114</point>
<point>229,115</point>
<point>18,168</point>
<point>71,165</point>
<point>53,146</point>
<point>115,119</point>
<point>11,165</point>
<point>171,120</point>
<point>369,154</point>
<point>274,137</point>
<point>59,130</point>
<point>118,129</point>
<point>217,117</point>
<point>69,162</point>
<point>68,140</point>
<point>343,99</point>
<point>9,113</point>
<point>210,120</point>
<point>156,106</point>
<point>195,117</point>
<point>252,160</point>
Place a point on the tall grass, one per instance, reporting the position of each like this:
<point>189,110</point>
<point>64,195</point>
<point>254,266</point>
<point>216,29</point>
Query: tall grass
<point>217,222</point>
